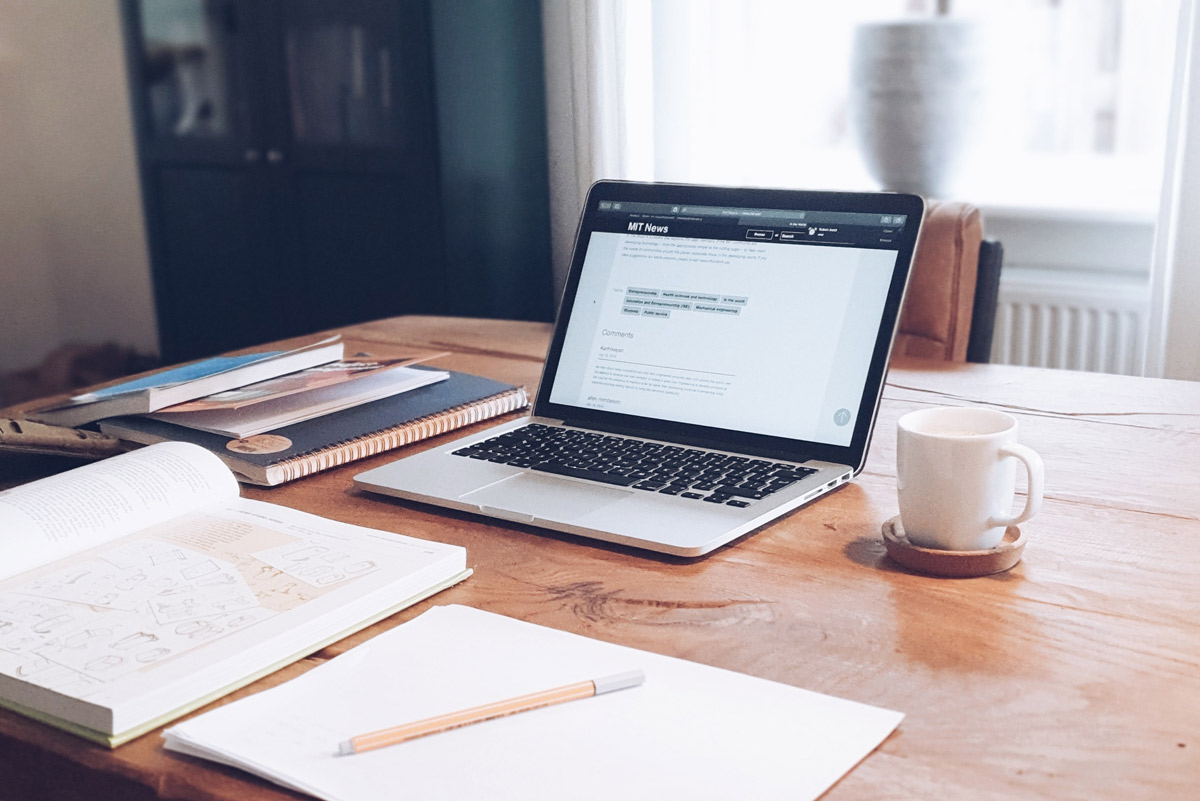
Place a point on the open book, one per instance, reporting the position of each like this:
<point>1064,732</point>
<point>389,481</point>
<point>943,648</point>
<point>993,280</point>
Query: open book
<point>138,588</point>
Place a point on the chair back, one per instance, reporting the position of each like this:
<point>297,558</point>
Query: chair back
<point>935,320</point>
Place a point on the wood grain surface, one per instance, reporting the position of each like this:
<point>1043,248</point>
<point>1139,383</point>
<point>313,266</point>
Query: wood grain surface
<point>1076,675</point>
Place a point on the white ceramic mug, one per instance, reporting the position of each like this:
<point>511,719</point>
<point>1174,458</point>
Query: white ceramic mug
<point>956,470</point>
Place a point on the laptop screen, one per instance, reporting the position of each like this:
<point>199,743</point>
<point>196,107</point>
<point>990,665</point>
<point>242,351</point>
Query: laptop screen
<point>748,314</point>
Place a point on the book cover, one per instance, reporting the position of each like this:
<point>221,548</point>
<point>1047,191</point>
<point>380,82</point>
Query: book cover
<point>262,410</point>
<point>339,373</point>
<point>297,450</point>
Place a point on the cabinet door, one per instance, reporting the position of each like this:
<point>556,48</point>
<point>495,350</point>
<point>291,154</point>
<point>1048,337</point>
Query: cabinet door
<point>218,293</point>
<point>356,157</point>
<point>195,92</point>
<point>288,165</point>
<point>211,218</point>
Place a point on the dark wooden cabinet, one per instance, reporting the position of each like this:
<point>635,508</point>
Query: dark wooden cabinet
<point>288,152</point>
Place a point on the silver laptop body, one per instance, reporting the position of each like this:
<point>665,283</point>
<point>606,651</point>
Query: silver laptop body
<point>717,362</point>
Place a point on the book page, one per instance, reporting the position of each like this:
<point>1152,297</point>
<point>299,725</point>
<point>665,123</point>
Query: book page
<point>54,517</point>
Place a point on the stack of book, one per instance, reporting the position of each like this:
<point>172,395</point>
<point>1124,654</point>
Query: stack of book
<point>274,416</point>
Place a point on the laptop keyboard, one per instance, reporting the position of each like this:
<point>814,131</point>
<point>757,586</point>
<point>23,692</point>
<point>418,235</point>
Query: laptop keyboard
<point>650,466</point>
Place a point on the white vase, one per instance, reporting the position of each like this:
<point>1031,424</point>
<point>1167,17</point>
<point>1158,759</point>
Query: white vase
<point>918,98</point>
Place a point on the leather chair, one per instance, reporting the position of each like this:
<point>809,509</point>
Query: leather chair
<point>950,309</point>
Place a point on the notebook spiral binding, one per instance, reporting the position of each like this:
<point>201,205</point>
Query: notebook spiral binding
<point>405,434</point>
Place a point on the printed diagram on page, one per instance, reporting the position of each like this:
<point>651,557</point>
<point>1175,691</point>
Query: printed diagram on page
<point>78,624</point>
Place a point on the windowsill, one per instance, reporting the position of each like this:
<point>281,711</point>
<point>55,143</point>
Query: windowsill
<point>1122,190</point>
<point>1072,189</point>
<point>1086,216</point>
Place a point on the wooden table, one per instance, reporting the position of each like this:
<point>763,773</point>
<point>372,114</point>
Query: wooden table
<point>1075,675</point>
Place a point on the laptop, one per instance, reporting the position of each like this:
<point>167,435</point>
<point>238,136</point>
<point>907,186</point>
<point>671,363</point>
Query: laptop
<point>717,362</point>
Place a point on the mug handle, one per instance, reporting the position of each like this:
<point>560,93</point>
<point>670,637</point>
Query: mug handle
<point>1037,480</point>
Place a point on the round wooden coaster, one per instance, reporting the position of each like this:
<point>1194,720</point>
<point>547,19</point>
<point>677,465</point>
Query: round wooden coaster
<point>957,564</point>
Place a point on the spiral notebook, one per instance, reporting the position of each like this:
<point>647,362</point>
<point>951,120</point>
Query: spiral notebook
<point>302,449</point>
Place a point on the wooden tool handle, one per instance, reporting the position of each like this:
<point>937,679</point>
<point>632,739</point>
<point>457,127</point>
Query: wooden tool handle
<point>30,437</point>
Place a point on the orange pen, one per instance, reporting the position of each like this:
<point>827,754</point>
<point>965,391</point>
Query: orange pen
<point>496,709</point>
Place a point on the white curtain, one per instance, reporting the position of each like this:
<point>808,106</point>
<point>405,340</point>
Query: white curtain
<point>586,109</point>
<point>1173,348</point>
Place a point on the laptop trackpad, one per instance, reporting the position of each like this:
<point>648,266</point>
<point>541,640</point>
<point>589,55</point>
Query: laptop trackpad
<point>534,495</point>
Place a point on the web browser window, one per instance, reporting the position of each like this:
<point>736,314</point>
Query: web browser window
<point>755,320</point>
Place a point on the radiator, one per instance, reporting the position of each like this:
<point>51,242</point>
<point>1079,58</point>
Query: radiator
<point>1071,320</point>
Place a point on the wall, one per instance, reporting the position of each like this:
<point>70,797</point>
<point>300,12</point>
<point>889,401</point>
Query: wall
<point>73,263</point>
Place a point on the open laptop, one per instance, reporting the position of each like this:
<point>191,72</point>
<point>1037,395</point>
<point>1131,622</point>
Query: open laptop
<point>717,362</point>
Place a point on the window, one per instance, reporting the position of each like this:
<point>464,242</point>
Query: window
<point>1066,166</point>
<point>759,92</point>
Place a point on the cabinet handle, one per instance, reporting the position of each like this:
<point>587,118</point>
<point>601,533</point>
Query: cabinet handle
<point>251,155</point>
<point>274,156</point>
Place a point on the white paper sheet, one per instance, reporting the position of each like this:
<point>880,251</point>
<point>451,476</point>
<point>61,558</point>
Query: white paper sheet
<point>690,731</point>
